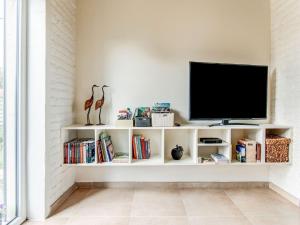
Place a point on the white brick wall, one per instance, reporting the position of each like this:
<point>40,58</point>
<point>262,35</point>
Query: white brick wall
<point>61,33</point>
<point>285,52</point>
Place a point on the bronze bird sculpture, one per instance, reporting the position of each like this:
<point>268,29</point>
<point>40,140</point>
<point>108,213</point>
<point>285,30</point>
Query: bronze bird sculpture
<point>99,104</point>
<point>88,105</point>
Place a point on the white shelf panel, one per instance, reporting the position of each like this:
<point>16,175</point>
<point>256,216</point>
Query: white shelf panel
<point>223,144</point>
<point>154,160</point>
<point>185,160</point>
<point>171,163</point>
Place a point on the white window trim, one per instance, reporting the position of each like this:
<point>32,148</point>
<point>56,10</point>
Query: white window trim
<point>21,116</point>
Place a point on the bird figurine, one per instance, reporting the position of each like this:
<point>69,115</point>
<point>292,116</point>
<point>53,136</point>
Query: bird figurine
<point>100,103</point>
<point>88,105</point>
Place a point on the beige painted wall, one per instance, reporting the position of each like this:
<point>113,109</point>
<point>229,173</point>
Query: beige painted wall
<point>142,48</point>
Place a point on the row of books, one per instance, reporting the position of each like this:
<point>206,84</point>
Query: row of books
<point>140,147</point>
<point>79,151</point>
<point>248,151</point>
<point>106,152</point>
<point>105,148</point>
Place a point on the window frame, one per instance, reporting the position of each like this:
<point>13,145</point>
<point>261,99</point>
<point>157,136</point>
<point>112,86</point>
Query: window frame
<point>21,116</point>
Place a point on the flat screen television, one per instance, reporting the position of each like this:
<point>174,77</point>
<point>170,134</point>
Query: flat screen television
<point>228,91</point>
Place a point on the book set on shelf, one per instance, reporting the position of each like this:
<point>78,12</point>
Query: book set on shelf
<point>140,147</point>
<point>79,151</point>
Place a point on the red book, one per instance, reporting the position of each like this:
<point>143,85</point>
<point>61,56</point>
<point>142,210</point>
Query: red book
<point>81,153</point>
<point>133,148</point>
<point>258,152</point>
<point>65,155</point>
<point>73,154</point>
<point>144,155</point>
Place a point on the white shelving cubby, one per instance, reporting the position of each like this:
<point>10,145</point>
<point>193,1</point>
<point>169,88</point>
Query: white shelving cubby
<point>164,139</point>
<point>156,145</point>
<point>119,138</point>
<point>184,138</point>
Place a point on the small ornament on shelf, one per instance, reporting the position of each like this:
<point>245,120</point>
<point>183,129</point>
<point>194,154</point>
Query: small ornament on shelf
<point>88,105</point>
<point>100,103</point>
<point>177,152</point>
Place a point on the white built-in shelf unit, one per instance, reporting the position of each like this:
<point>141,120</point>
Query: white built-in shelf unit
<point>164,139</point>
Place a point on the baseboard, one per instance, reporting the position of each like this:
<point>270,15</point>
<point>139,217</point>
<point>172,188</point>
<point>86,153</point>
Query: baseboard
<point>284,194</point>
<point>62,199</point>
<point>216,185</point>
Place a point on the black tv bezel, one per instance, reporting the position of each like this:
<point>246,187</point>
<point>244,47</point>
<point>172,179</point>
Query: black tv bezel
<point>225,118</point>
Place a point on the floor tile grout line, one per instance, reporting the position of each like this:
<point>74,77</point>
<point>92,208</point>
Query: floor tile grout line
<point>228,196</point>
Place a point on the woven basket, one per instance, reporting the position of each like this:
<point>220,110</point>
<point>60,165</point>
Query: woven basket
<point>277,148</point>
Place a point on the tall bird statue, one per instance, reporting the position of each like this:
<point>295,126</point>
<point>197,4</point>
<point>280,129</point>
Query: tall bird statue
<point>88,105</point>
<point>99,104</point>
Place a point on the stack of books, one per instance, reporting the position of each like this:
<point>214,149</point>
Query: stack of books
<point>79,151</point>
<point>105,148</point>
<point>140,147</point>
<point>219,158</point>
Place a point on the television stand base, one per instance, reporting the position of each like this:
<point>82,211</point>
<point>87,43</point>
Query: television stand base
<point>227,123</point>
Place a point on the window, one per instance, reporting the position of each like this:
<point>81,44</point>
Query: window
<point>11,111</point>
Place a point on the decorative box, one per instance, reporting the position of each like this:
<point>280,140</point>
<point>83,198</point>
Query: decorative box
<point>162,119</point>
<point>142,117</point>
<point>142,121</point>
<point>124,123</point>
<point>277,148</point>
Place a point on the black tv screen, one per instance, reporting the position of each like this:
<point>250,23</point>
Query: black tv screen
<point>228,91</point>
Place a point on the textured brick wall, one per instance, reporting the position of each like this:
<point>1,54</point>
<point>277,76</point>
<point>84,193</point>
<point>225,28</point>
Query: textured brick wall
<point>61,33</point>
<point>285,53</point>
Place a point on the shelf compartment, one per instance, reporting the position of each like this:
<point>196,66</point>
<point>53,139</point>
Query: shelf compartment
<point>70,134</point>
<point>206,151</point>
<point>156,145</point>
<point>119,139</point>
<point>256,134</point>
<point>283,132</point>
<point>221,133</point>
<point>184,138</point>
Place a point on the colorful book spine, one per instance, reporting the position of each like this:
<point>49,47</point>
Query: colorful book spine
<point>140,147</point>
<point>79,151</point>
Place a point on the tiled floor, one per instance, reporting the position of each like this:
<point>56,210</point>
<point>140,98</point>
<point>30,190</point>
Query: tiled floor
<point>175,207</point>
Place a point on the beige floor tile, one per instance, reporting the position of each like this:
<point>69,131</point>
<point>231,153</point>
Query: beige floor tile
<point>219,221</point>
<point>66,210</point>
<point>208,203</point>
<point>50,221</point>
<point>99,221</point>
<point>254,194</point>
<point>150,194</point>
<point>158,221</point>
<point>262,202</point>
<point>111,195</point>
<point>78,195</point>
<point>275,220</point>
<point>104,209</point>
<point>71,205</point>
<point>158,208</point>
